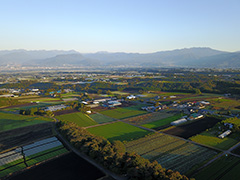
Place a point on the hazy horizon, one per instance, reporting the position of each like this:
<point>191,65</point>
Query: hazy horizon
<point>122,26</point>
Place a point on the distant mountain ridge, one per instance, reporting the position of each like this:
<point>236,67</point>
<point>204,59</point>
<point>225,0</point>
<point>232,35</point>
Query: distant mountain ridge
<point>188,57</point>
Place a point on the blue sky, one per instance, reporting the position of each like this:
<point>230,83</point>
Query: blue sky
<point>119,25</point>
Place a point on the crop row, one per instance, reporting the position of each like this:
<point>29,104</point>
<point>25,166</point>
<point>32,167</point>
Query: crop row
<point>186,157</point>
<point>143,140</point>
<point>163,150</point>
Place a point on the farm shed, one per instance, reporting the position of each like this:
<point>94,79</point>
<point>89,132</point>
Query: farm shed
<point>177,122</point>
<point>226,133</point>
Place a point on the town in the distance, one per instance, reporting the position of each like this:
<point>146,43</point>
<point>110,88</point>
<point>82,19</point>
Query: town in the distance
<point>120,123</point>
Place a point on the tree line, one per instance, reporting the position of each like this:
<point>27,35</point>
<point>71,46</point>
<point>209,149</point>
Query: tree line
<point>114,157</point>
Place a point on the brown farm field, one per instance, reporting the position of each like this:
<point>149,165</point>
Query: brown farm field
<point>188,130</point>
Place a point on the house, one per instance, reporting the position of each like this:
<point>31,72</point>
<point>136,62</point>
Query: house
<point>226,133</point>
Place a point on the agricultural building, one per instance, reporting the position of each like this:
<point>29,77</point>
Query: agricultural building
<point>205,102</point>
<point>177,122</point>
<point>114,103</point>
<point>55,108</point>
<point>96,101</point>
<point>226,133</point>
<point>195,116</point>
<point>131,97</point>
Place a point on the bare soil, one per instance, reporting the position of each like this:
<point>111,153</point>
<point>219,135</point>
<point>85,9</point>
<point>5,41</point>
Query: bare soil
<point>188,130</point>
<point>67,167</point>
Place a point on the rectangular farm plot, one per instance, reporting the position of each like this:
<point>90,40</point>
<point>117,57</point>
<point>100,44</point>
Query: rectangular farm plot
<point>162,122</point>
<point>11,121</point>
<point>225,168</point>
<point>209,139</point>
<point>122,113</point>
<point>100,118</point>
<point>39,151</point>
<point>148,118</point>
<point>118,131</point>
<point>79,118</point>
<point>170,152</point>
<point>198,126</point>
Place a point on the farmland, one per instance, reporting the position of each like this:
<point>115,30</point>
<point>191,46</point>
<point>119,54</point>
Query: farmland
<point>122,113</point>
<point>196,127</point>
<point>148,118</point>
<point>170,152</point>
<point>11,121</point>
<point>68,166</point>
<point>118,131</point>
<point>225,103</point>
<point>100,118</point>
<point>162,122</point>
<point>79,118</point>
<point>211,139</point>
<point>28,155</point>
<point>225,168</point>
<point>23,135</point>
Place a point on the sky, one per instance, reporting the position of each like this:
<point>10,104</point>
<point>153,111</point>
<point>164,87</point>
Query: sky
<point>142,26</point>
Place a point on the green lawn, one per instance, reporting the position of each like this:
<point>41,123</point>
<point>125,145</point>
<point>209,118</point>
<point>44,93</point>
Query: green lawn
<point>79,118</point>
<point>122,113</point>
<point>162,122</point>
<point>118,131</point>
<point>11,121</point>
<point>225,168</point>
<point>100,118</point>
<point>208,138</point>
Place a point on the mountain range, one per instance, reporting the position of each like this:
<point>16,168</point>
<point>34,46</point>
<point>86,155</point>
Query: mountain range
<point>188,57</point>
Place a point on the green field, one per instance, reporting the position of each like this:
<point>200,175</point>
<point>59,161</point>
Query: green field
<point>225,103</point>
<point>170,152</point>
<point>118,131</point>
<point>225,168</point>
<point>100,118</point>
<point>122,113</point>
<point>162,122</point>
<point>11,121</point>
<point>79,118</point>
<point>41,104</point>
<point>208,138</point>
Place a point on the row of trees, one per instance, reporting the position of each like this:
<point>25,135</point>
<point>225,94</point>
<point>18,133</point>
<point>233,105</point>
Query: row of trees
<point>113,155</point>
